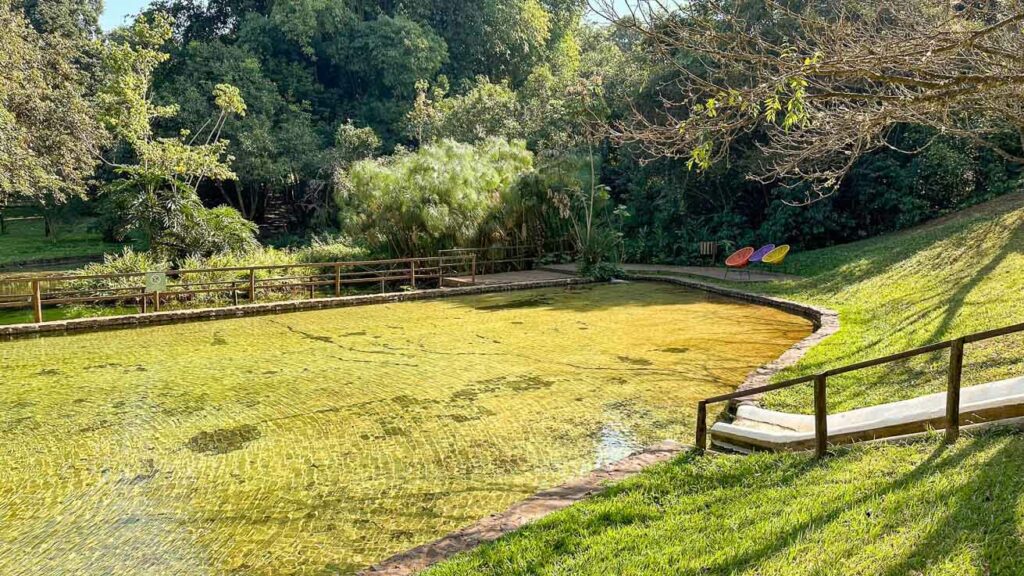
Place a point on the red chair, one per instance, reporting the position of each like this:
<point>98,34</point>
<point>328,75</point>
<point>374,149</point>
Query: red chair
<point>739,260</point>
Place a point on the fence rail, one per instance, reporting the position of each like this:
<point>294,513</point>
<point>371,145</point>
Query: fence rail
<point>953,384</point>
<point>250,283</point>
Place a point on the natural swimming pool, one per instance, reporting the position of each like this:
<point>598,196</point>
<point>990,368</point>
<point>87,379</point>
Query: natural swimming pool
<point>322,442</point>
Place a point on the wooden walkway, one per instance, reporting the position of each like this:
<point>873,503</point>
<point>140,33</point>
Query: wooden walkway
<point>510,277</point>
<point>718,273</point>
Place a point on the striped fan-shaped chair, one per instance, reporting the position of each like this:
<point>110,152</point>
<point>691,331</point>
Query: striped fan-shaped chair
<point>739,260</point>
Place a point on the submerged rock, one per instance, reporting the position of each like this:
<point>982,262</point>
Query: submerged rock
<point>223,440</point>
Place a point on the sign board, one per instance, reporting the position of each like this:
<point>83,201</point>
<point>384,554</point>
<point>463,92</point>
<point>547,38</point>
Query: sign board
<point>156,282</point>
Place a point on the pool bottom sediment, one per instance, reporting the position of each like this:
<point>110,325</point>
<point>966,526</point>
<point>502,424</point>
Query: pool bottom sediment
<point>322,442</point>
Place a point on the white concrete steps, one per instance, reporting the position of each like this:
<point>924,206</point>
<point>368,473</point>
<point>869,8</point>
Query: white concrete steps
<point>756,428</point>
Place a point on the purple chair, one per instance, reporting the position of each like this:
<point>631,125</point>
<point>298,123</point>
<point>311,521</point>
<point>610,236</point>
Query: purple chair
<point>761,253</point>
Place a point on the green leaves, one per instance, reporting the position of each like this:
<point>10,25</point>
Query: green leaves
<point>437,197</point>
<point>49,136</point>
<point>229,99</point>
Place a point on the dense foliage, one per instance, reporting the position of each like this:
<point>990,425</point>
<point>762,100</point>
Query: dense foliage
<point>435,198</point>
<point>383,119</point>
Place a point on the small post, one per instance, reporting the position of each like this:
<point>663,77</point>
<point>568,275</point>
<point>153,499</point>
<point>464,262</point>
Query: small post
<point>156,301</point>
<point>412,273</point>
<point>440,271</point>
<point>956,368</point>
<point>820,417</point>
<point>37,302</point>
<point>312,288</point>
<point>234,294</point>
<point>474,268</point>
<point>252,285</point>
<point>337,280</point>
<point>702,426</point>
<point>145,301</point>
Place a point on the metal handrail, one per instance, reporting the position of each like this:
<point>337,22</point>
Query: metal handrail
<point>820,380</point>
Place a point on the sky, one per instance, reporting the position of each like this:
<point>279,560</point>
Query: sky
<point>115,11</point>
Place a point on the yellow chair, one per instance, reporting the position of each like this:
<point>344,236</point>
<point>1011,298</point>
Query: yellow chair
<point>777,256</point>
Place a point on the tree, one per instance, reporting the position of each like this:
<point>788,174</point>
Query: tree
<point>155,196</point>
<point>823,83</point>
<point>49,135</point>
<point>416,203</point>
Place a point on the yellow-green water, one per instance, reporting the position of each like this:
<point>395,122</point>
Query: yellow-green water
<point>321,442</point>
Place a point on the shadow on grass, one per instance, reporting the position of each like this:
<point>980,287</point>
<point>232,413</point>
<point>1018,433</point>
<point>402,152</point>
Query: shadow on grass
<point>630,527</point>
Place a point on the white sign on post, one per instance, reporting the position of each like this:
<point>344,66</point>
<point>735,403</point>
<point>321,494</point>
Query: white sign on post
<point>156,282</point>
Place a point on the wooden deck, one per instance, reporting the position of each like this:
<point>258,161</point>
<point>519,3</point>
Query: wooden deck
<point>718,273</point>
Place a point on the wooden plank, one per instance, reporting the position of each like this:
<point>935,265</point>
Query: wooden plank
<point>956,368</point>
<point>702,427</point>
<point>820,416</point>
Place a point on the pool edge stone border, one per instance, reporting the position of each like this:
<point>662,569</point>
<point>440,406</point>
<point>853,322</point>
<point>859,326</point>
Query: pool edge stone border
<point>80,325</point>
<point>532,509</point>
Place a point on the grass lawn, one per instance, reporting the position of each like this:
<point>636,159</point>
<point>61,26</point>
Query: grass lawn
<point>25,242</point>
<point>885,510</point>
<point>910,509</point>
<point>954,276</point>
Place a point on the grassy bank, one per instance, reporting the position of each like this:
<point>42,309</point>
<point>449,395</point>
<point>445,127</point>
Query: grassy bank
<point>888,510</point>
<point>26,242</point>
<point>954,276</point>
<point>915,509</point>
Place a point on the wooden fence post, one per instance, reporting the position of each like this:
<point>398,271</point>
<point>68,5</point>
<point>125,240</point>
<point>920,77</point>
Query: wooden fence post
<point>156,301</point>
<point>252,285</point>
<point>956,368</point>
<point>820,417</point>
<point>145,301</point>
<point>412,273</point>
<point>702,427</point>
<point>37,302</point>
<point>337,280</point>
<point>474,268</point>
<point>440,271</point>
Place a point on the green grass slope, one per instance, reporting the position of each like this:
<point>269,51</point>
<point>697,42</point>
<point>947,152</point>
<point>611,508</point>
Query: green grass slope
<point>26,243</point>
<point>916,509</point>
<point>913,509</point>
<point>954,276</point>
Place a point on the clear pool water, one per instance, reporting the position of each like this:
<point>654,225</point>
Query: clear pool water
<point>322,442</point>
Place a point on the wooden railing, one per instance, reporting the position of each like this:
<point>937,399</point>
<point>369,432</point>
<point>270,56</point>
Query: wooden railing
<point>953,383</point>
<point>249,282</point>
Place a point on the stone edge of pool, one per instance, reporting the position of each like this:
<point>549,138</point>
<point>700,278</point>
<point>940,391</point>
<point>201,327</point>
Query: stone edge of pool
<point>57,327</point>
<point>536,507</point>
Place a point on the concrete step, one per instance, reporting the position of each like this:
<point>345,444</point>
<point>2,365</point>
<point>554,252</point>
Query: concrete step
<point>757,428</point>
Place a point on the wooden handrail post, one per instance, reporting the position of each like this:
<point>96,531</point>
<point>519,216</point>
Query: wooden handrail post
<point>37,302</point>
<point>440,271</point>
<point>956,368</point>
<point>156,301</point>
<point>820,417</point>
<point>702,427</point>
<point>337,280</point>
<point>412,273</point>
<point>474,268</point>
<point>145,301</point>
<point>252,284</point>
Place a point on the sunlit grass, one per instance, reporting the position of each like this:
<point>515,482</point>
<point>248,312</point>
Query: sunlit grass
<point>25,242</point>
<point>882,510</point>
